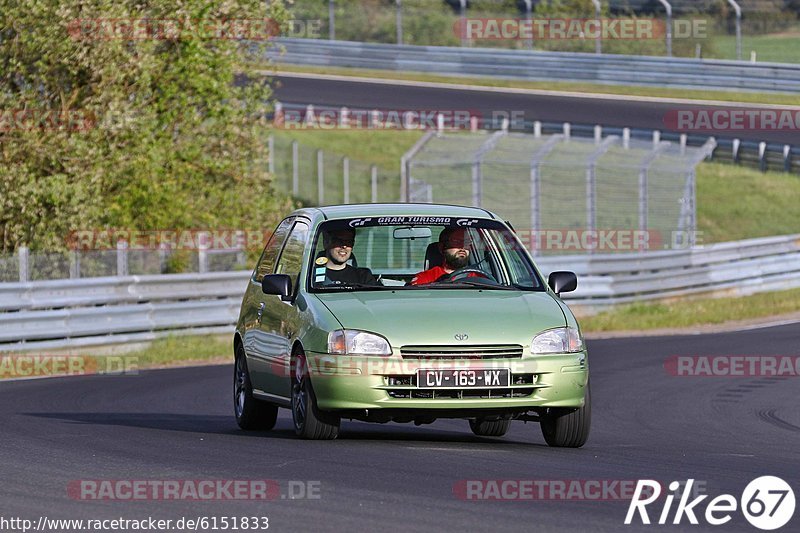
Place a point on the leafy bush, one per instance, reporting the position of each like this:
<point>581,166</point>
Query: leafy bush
<point>161,136</point>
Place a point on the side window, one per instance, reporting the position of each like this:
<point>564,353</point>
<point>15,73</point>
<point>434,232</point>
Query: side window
<point>291,259</point>
<point>271,250</point>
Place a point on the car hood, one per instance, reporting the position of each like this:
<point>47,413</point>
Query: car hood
<point>436,317</point>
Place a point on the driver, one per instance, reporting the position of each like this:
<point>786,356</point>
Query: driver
<point>453,245</point>
<point>338,246</point>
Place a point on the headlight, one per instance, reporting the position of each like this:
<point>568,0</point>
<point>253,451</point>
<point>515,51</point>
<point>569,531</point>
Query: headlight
<point>559,340</point>
<point>354,342</point>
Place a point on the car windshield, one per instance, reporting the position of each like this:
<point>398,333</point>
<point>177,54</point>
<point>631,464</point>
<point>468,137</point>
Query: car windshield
<point>413,253</point>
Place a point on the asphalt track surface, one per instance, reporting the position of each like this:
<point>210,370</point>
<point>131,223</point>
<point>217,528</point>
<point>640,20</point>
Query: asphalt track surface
<point>178,424</point>
<point>621,112</point>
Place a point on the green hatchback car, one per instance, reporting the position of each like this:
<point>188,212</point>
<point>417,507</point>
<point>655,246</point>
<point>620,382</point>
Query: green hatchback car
<point>407,313</point>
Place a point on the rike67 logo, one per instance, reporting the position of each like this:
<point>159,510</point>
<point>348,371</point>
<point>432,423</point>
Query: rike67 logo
<point>767,503</point>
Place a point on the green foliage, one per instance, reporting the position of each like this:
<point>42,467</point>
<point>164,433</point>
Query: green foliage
<point>167,140</point>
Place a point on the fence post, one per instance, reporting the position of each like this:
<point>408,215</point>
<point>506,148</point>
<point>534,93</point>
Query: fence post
<point>476,183</point>
<point>271,156</point>
<point>346,177</point>
<point>537,129</point>
<point>626,138</point>
<point>598,46</point>
<point>399,21</point>
<point>374,183</point>
<point>528,9</point>
<point>567,131</point>
<point>320,178</point>
<point>735,146</point>
<point>74,264</point>
<point>598,134</point>
<point>331,21</point>
<point>202,252</point>
<point>762,156</point>
<point>163,254</point>
<point>23,254</point>
<point>465,41</point>
<point>295,171</point>
<point>668,7</point>
<point>122,258</point>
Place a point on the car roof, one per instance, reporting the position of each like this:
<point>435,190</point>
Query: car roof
<point>404,209</point>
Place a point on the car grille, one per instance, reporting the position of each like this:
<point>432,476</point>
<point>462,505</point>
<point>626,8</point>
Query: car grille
<point>459,394</point>
<point>490,351</point>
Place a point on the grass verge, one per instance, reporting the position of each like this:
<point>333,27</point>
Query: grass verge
<point>688,313</point>
<point>184,349</point>
<point>591,88</point>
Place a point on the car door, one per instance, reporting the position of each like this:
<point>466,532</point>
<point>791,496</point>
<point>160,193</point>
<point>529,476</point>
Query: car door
<point>280,319</point>
<point>256,344</point>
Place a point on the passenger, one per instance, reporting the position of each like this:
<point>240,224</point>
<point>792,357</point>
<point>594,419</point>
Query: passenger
<point>338,246</point>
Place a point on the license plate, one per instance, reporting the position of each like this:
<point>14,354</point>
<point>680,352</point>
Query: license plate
<point>463,378</point>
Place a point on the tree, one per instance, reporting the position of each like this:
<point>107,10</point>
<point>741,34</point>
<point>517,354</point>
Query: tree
<point>123,113</point>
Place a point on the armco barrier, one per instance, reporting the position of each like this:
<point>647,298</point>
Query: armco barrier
<point>94,311</point>
<point>722,75</point>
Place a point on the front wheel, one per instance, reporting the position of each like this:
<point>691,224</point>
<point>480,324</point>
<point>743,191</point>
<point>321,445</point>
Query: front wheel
<point>568,428</point>
<point>309,421</point>
<point>489,428</point>
<point>251,414</point>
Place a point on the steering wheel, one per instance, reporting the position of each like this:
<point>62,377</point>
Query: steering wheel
<point>469,272</point>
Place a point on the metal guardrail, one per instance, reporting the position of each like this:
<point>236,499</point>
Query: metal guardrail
<point>724,269</point>
<point>94,311</point>
<point>722,75</point>
<point>86,312</point>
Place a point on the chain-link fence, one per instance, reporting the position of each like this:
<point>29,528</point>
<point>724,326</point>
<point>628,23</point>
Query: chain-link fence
<point>319,177</point>
<point>566,194</point>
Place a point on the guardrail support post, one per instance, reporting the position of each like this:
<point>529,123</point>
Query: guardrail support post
<point>735,146</point>
<point>23,254</point>
<point>787,158</point>
<point>626,138</point>
<point>762,156</point>
<point>122,258</point>
<point>598,134</point>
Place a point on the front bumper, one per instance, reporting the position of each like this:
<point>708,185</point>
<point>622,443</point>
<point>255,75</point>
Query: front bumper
<point>355,383</point>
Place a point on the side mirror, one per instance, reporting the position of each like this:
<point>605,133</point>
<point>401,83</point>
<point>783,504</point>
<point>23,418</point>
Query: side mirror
<point>280,284</point>
<point>562,281</point>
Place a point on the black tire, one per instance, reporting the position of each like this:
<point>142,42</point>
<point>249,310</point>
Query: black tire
<point>309,421</point>
<point>489,428</point>
<point>251,413</point>
<point>568,428</point>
